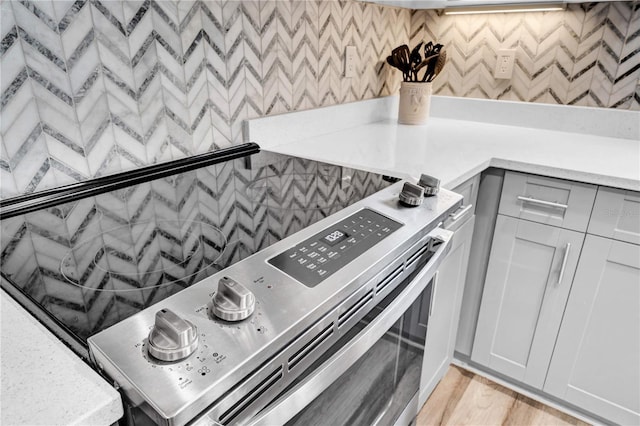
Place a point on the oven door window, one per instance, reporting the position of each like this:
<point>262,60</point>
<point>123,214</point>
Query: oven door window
<point>378,387</point>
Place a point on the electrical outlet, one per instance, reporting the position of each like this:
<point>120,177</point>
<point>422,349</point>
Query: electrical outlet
<point>504,64</point>
<point>350,61</point>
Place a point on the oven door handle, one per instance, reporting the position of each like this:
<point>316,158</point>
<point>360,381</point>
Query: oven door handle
<point>282,410</point>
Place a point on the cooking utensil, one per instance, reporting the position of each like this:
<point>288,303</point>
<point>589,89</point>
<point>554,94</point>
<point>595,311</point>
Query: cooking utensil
<point>428,76</point>
<point>424,63</point>
<point>401,57</point>
<point>410,62</point>
<point>392,60</point>
<point>428,49</point>
<point>442,58</point>
<point>415,60</point>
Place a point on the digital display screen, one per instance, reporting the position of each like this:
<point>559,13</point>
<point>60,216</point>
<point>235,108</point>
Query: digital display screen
<point>334,237</point>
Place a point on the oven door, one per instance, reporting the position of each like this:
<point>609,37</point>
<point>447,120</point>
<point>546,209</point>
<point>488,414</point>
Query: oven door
<point>372,374</point>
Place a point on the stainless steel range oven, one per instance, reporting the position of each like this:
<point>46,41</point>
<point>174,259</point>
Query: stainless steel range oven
<point>325,326</point>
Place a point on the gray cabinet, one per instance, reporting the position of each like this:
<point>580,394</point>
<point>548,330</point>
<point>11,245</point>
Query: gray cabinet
<point>616,215</point>
<point>560,307</point>
<point>443,320</point>
<point>596,362</point>
<point>527,284</point>
<point>469,191</point>
<point>547,200</point>
<point>489,188</point>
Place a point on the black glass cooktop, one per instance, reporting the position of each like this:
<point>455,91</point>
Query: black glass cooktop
<point>94,261</point>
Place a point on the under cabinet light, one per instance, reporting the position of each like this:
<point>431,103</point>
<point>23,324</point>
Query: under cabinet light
<point>474,10</point>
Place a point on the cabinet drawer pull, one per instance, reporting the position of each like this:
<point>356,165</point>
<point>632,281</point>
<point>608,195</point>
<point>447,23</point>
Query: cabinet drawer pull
<point>564,263</point>
<point>458,215</point>
<point>542,202</point>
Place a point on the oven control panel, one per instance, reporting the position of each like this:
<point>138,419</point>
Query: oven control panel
<point>320,256</point>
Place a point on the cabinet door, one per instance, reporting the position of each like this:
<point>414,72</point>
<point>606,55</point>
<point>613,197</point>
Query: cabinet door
<point>596,363</point>
<point>615,215</point>
<point>530,271</point>
<point>443,320</point>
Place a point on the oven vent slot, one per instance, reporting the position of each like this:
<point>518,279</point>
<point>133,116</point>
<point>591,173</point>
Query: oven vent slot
<point>388,279</point>
<point>416,256</point>
<point>355,308</point>
<point>259,390</point>
<point>305,350</point>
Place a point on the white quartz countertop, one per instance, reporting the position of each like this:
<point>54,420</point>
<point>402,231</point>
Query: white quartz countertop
<point>44,382</point>
<point>454,149</point>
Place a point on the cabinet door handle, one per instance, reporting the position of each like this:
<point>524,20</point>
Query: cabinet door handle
<point>542,202</point>
<point>459,214</point>
<point>564,263</point>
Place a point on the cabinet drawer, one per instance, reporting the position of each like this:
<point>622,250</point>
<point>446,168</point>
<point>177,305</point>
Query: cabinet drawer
<point>469,190</point>
<point>546,200</point>
<point>616,215</point>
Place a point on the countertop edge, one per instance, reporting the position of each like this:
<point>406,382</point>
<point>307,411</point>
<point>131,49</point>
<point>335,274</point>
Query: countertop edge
<point>567,174</point>
<point>498,162</point>
<point>75,395</point>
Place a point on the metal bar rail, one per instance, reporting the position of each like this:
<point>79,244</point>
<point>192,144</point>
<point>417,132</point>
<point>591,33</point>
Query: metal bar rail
<point>28,203</point>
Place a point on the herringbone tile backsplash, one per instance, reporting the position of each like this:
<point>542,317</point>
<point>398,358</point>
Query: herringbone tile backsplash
<point>587,55</point>
<point>92,87</point>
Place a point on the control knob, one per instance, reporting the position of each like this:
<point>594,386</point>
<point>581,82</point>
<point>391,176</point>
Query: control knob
<point>172,338</point>
<point>411,195</point>
<point>430,185</point>
<point>232,301</point>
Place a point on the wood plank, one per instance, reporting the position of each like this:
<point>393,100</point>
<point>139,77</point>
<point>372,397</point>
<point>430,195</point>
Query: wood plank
<point>445,397</point>
<point>463,398</point>
<point>483,403</point>
<point>526,411</point>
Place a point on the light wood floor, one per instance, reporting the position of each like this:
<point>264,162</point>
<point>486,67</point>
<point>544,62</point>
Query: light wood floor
<point>463,398</point>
